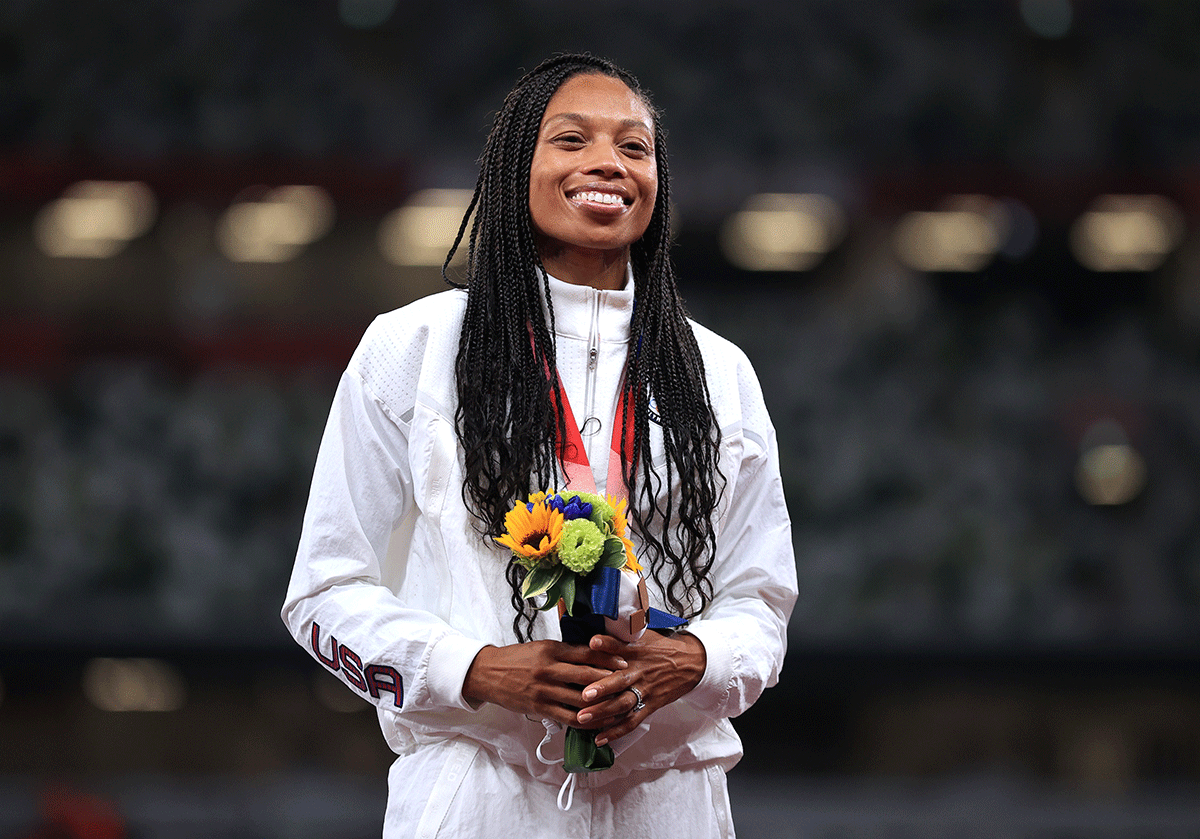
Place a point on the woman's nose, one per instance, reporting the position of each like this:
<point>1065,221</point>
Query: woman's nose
<point>605,159</point>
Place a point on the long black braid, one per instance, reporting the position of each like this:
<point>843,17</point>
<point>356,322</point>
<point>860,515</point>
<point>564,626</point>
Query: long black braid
<point>506,420</point>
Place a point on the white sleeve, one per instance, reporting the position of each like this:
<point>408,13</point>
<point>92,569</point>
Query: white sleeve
<point>395,654</point>
<point>744,628</point>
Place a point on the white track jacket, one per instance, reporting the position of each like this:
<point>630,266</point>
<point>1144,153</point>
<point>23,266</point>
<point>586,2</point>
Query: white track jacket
<point>395,591</point>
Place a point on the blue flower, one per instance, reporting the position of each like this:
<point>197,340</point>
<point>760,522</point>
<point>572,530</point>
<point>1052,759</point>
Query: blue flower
<point>574,508</point>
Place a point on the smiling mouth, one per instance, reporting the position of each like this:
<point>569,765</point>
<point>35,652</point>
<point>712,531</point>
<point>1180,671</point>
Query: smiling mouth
<point>608,199</point>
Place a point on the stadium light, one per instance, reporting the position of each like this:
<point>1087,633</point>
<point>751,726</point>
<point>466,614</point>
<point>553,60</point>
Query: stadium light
<point>1127,233</point>
<point>420,233</point>
<point>277,227</point>
<point>782,232</point>
<point>133,684</point>
<point>963,235</point>
<point>95,219</point>
<point>1110,471</point>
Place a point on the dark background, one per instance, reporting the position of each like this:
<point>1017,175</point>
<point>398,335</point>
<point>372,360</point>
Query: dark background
<point>976,651</point>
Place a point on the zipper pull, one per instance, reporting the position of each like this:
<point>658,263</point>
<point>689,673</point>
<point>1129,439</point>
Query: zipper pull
<point>592,353</point>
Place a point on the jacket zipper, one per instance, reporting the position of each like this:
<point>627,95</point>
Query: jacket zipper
<point>593,358</point>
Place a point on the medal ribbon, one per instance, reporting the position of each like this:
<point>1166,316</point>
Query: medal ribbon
<point>573,456</point>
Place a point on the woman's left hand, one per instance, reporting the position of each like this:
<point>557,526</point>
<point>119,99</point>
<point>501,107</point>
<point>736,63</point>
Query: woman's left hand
<point>662,667</point>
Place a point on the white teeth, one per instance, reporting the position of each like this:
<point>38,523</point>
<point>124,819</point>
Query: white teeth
<point>599,197</point>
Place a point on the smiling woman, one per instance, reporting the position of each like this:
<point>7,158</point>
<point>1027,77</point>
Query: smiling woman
<point>459,407</point>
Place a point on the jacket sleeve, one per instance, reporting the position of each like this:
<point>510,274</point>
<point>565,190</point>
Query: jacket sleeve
<point>393,653</point>
<point>744,628</point>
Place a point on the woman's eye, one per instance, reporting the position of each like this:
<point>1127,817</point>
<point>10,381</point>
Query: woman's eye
<point>569,140</point>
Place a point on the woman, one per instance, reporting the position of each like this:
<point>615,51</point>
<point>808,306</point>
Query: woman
<point>399,586</point>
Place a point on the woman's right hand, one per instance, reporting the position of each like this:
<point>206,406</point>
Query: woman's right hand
<point>540,679</point>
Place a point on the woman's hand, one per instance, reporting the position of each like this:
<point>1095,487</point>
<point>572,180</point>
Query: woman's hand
<point>540,679</point>
<point>662,667</point>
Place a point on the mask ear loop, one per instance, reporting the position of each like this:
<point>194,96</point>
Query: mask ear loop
<point>568,787</point>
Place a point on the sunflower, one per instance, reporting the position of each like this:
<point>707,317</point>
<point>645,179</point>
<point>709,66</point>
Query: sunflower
<point>618,515</point>
<point>619,525</point>
<point>630,560</point>
<point>532,532</point>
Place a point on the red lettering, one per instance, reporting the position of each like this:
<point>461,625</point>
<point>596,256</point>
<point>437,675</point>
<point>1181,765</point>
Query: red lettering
<point>381,677</point>
<point>372,679</point>
<point>352,668</point>
<point>332,661</point>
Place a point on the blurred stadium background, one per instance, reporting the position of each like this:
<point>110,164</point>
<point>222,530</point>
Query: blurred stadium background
<point>958,239</point>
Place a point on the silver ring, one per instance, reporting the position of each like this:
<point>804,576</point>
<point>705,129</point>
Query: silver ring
<point>640,704</point>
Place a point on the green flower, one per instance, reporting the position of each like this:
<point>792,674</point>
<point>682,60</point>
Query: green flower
<point>581,545</point>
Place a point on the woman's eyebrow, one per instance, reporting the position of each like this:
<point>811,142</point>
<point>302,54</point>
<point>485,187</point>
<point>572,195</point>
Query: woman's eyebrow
<point>628,122</point>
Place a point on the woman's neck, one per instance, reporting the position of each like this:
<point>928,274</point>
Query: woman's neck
<point>602,270</point>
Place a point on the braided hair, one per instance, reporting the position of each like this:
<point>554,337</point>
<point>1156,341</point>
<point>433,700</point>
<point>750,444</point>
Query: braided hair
<point>507,422</point>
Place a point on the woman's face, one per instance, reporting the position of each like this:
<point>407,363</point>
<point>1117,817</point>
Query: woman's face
<point>594,177</point>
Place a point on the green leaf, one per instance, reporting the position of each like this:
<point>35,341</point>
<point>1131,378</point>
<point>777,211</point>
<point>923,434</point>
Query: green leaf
<point>553,595</point>
<point>614,553</point>
<point>559,590</point>
<point>568,591</point>
<point>539,580</point>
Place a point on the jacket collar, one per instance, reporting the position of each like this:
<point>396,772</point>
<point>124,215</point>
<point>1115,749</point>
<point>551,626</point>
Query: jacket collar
<point>581,311</point>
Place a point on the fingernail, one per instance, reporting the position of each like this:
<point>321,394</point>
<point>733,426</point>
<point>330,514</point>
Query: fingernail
<point>583,718</point>
<point>622,663</point>
<point>589,694</point>
<point>601,741</point>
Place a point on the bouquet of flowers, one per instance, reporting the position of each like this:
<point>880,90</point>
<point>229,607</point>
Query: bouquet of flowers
<point>574,548</point>
<point>560,537</point>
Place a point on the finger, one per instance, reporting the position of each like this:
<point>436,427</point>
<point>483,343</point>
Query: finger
<point>551,696</point>
<point>621,728</point>
<point>602,714</point>
<point>608,685</point>
<point>606,657</point>
<point>609,645</point>
<point>561,703</point>
<point>557,713</point>
<point>575,674</point>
